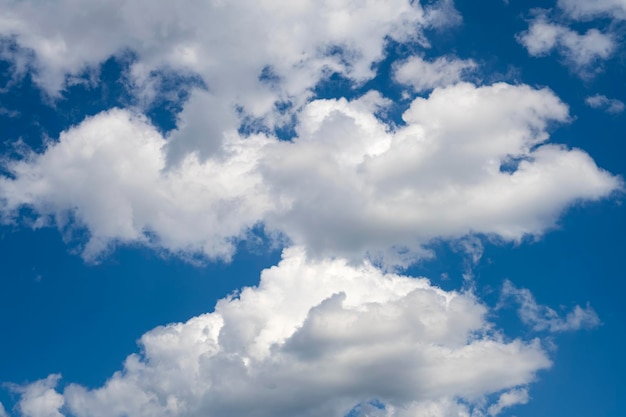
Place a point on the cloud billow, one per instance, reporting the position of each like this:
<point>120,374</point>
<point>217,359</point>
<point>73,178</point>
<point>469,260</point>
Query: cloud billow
<point>315,338</point>
<point>347,185</point>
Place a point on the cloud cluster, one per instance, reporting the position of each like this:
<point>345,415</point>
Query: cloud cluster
<point>314,338</point>
<point>553,30</point>
<point>249,54</point>
<point>325,332</point>
<point>469,160</point>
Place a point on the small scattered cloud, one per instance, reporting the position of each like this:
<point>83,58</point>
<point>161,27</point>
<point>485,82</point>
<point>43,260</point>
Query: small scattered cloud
<point>423,75</point>
<point>581,52</point>
<point>8,113</point>
<point>589,9</point>
<point>509,399</point>
<point>609,105</point>
<point>40,398</point>
<point>543,318</point>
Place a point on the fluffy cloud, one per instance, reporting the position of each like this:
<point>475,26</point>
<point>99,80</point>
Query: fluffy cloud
<point>466,161</point>
<point>469,160</point>
<point>108,175</point>
<point>40,399</point>
<point>230,46</point>
<point>201,36</point>
<point>314,338</point>
<point>441,175</point>
<point>610,105</point>
<point>508,399</point>
<point>582,9</point>
<point>579,50</point>
<point>424,75</point>
<point>541,318</point>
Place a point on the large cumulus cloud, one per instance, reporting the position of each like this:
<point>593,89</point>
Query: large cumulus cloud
<point>468,160</point>
<point>315,338</point>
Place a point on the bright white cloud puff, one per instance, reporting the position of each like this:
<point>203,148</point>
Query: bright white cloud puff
<point>40,399</point>
<point>314,338</point>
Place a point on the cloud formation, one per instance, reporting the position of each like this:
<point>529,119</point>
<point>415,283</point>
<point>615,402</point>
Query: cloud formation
<point>108,174</point>
<point>423,75</point>
<point>543,318</point>
<point>249,54</point>
<point>314,338</point>
<point>585,10</point>
<point>40,399</point>
<point>325,332</point>
<point>509,399</point>
<point>469,160</point>
<point>580,51</point>
<point>610,105</point>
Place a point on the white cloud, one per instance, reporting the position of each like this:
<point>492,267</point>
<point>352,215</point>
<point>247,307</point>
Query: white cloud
<point>40,399</point>
<point>226,44</point>
<point>347,185</point>
<point>579,50</point>
<point>351,186</point>
<point>108,175</point>
<point>509,399</point>
<point>425,75</point>
<point>316,338</point>
<point>585,9</point>
<point>324,330</point>
<point>610,105</point>
<point>3,412</point>
<point>445,407</point>
<point>540,317</point>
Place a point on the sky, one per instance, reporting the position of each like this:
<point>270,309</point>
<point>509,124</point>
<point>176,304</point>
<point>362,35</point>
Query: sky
<point>312,209</point>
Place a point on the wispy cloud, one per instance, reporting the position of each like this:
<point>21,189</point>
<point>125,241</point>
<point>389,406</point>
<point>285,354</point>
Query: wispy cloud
<point>543,318</point>
<point>585,10</point>
<point>610,105</point>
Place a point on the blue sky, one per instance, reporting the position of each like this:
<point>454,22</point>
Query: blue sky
<point>309,209</point>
